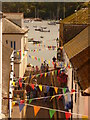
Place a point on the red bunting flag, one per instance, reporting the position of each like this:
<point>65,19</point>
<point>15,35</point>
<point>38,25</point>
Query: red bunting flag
<point>20,85</point>
<point>35,58</point>
<point>73,90</point>
<point>41,75</point>
<point>58,71</point>
<point>21,101</point>
<point>67,114</point>
<point>59,97</point>
<point>32,85</point>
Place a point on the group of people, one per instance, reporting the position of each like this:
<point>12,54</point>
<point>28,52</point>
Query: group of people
<point>44,67</point>
<point>34,93</point>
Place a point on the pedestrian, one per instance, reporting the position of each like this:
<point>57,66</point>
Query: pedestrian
<point>42,67</point>
<point>28,90</point>
<point>47,68</point>
<point>51,90</point>
<point>54,59</point>
<point>37,69</point>
<point>45,92</point>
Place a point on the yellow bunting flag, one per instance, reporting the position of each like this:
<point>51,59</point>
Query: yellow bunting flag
<point>52,72</point>
<point>25,78</point>
<point>45,74</point>
<point>17,53</point>
<point>49,62</point>
<point>52,97</point>
<point>56,89</point>
<point>13,83</point>
<point>13,103</point>
<point>40,87</point>
<point>42,59</point>
<point>32,57</point>
<point>36,110</point>
<point>84,117</point>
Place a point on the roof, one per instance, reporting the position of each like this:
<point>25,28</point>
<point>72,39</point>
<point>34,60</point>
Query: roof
<point>77,44</point>
<point>77,51</point>
<point>80,17</point>
<point>13,15</point>
<point>11,28</point>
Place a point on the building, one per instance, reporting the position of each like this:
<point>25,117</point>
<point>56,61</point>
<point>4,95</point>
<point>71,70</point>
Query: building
<point>16,18</point>
<point>6,69</point>
<point>15,37</point>
<point>73,25</point>
<point>75,53</point>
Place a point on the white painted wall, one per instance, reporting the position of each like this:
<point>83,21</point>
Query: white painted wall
<point>81,106</point>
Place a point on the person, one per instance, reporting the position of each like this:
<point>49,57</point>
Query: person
<point>45,92</point>
<point>51,90</point>
<point>33,69</point>
<point>37,69</point>
<point>54,59</point>
<point>28,89</point>
<point>42,67</point>
<point>47,68</point>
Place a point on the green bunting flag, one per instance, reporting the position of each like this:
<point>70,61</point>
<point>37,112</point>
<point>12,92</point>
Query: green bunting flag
<point>55,72</point>
<point>51,112</point>
<point>38,59</point>
<point>30,101</point>
<point>37,75</point>
<point>64,90</point>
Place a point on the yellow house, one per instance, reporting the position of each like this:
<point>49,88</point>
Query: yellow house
<point>14,36</point>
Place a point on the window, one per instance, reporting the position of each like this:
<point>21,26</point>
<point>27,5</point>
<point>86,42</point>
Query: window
<point>14,45</point>
<point>11,44</point>
<point>6,41</point>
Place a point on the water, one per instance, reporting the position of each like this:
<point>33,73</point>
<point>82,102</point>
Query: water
<point>48,39</point>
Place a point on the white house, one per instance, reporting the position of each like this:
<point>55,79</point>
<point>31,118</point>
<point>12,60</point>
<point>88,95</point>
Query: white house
<point>15,37</point>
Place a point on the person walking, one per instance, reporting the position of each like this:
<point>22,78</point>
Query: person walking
<point>45,92</point>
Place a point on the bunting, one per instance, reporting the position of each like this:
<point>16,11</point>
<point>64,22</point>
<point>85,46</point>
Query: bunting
<point>59,97</point>
<point>21,106</point>
<point>32,85</point>
<point>36,110</point>
<point>52,97</point>
<point>40,87</point>
<point>56,89</point>
<point>51,112</point>
<point>64,90</point>
<point>68,115</point>
<point>30,101</point>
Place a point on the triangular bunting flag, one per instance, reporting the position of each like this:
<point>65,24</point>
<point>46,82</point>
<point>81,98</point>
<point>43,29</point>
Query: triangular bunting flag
<point>56,89</point>
<point>47,87</point>
<point>84,117</point>
<point>59,97</point>
<point>32,85</point>
<point>37,75</point>
<point>41,75</point>
<point>13,83</point>
<point>25,78</point>
<point>52,97</point>
<point>38,59</point>
<point>40,87</point>
<point>51,112</point>
<point>20,85</point>
<point>45,74</point>
<point>17,53</point>
<point>64,90</point>
<point>67,114</point>
<point>30,101</point>
<point>72,90</point>
<point>58,71</point>
<point>55,72</point>
<point>21,106</point>
<point>13,103</point>
<point>36,110</point>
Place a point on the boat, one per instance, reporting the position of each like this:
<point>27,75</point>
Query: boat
<point>35,26</point>
<point>43,27</point>
<point>51,23</point>
<point>44,30</point>
<point>38,29</point>
<point>38,19</point>
<point>57,22</point>
<point>41,37</point>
